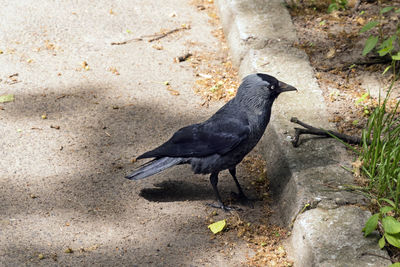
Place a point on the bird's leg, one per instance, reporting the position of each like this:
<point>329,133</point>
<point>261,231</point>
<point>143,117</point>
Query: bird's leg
<point>240,195</point>
<point>214,183</point>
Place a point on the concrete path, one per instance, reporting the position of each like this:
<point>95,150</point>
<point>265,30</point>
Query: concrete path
<point>83,110</point>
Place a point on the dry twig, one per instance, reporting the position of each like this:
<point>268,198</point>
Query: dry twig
<point>354,140</point>
<point>153,37</point>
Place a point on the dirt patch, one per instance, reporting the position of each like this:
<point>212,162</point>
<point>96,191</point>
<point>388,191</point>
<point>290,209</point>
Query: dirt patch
<point>350,82</point>
<point>216,77</point>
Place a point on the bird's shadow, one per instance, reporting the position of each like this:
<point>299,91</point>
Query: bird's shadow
<point>168,191</point>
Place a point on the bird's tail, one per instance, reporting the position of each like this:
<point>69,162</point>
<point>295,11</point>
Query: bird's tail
<point>153,167</point>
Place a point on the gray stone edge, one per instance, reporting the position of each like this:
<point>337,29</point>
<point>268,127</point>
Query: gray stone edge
<point>260,34</point>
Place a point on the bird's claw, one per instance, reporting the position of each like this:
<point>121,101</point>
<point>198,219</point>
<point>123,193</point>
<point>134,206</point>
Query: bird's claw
<point>223,207</point>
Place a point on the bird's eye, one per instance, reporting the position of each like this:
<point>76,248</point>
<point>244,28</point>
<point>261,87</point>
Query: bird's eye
<point>272,87</point>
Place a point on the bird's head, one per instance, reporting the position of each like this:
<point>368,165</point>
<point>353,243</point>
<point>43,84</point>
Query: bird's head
<point>262,88</point>
<point>272,86</point>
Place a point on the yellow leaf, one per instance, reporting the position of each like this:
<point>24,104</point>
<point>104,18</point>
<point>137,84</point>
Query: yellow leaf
<point>6,98</point>
<point>217,226</point>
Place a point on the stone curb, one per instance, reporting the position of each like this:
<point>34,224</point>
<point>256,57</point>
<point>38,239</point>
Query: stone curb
<point>310,178</point>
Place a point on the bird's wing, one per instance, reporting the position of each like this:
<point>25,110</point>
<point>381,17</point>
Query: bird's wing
<point>200,140</point>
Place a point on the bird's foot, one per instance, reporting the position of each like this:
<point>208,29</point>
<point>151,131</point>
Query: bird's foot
<point>241,198</point>
<point>223,207</point>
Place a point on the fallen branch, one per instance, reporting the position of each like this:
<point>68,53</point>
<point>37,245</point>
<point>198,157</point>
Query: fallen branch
<point>153,37</point>
<point>127,41</point>
<point>354,140</point>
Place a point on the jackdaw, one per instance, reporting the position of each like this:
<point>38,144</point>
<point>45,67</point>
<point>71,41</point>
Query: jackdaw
<point>222,141</point>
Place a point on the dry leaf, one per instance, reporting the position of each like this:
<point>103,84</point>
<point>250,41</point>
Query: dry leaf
<point>158,47</point>
<point>357,167</point>
<point>172,91</point>
<point>85,65</point>
<point>114,70</point>
<point>360,21</point>
<point>331,53</point>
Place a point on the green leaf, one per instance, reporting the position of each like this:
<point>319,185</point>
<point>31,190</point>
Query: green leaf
<point>396,57</point>
<point>382,242</point>
<point>369,26</point>
<point>394,240</point>
<point>388,201</point>
<point>387,45</point>
<point>396,264</point>
<point>371,224</point>
<point>387,68</point>
<point>386,209</point>
<point>362,98</point>
<point>217,226</point>
<point>390,225</point>
<point>370,44</point>
<point>6,98</point>
<point>386,9</point>
<point>332,7</point>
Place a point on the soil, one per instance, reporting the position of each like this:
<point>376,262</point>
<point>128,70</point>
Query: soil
<point>351,83</point>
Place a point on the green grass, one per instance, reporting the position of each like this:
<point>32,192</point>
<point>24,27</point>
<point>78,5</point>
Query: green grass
<point>380,152</point>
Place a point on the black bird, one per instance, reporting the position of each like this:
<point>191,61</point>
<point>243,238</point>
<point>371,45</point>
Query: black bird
<point>222,141</point>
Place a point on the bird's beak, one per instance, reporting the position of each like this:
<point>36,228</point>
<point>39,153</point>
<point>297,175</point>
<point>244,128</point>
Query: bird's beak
<point>284,87</point>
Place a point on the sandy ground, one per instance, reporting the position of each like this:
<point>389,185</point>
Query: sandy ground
<point>68,138</point>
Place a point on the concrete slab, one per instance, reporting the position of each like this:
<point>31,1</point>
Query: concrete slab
<point>64,187</point>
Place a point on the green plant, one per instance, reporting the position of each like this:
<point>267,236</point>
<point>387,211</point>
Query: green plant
<point>380,157</point>
<point>386,223</point>
<point>386,43</point>
<point>337,5</point>
<point>380,151</point>
<point>364,103</point>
